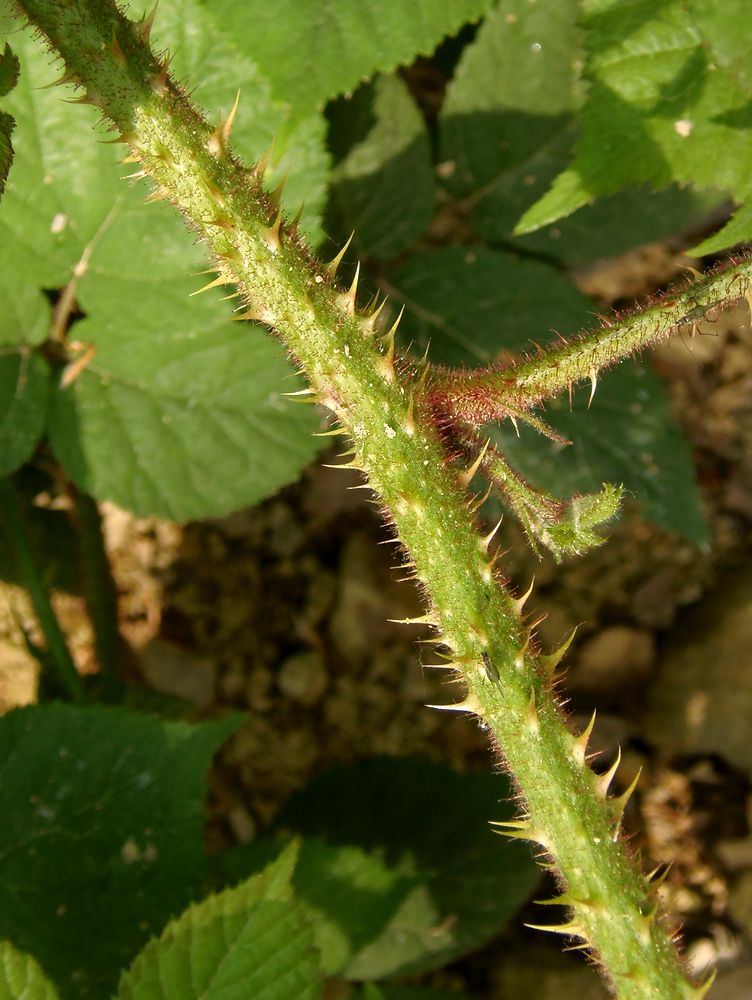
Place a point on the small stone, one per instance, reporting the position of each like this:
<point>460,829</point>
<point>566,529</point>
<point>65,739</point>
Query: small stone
<point>19,675</point>
<point>303,677</point>
<point>701,700</point>
<point>615,656</point>
<point>241,823</point>
<point>172,670</point>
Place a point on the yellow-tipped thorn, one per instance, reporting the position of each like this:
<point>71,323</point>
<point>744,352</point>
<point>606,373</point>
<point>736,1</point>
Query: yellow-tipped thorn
<point>580,743</point>
<point>603,781</point>
<point>569,929</point>
<point>619,803</point>
<point>485,540</point>
<point>275,196</point>
<point>144,26</point>
<point>520,602</point>
<point>220,280</point>
<point>347,299</point>
<point>703,988</point>
<point>259,170</point>
<point>158,194</point>
<point>515,424</point>
<point>333,265</point>
<point>593,384</point>
<point>468,705</point>
<point>467,475</point>
<point>550,661</point>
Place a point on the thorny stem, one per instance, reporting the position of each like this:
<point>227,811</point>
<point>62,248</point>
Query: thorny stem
<point>567,811</point>
<point>484,395</point>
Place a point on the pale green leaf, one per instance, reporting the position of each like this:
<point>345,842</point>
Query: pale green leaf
<point>101,840</point>
<point>250,941</point>
<point>313,51</point>
<point>383,189</point>
<point>180,413</point>
<point>21,978</point>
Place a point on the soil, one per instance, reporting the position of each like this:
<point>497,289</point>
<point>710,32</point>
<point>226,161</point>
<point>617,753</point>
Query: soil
<point>284,612</point>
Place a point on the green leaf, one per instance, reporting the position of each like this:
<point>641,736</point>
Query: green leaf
<point>666,102</point>
<point>312,51</point>
<point>430,825</point>
<point>66,195</point>
<point>507,131</point>
<point>383,189</point>
<point>347,895</point>
<point>21,978</point>
<point>24,398</point>
<point>101,840</point>
<point>474,304</point>
<point>181,416</point>
<point>250,941</point>
<point>627,436</point>
<point>513,90</point>
<point>471,303</point>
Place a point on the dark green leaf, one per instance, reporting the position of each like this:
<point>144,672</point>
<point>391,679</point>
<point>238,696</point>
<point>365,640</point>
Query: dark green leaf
<point>246,942</point>
<point>101,840</point>
<point>430,825</point>
<point>383,189</point>
<point>312,51</point>
<point>9,67</point>
<point>24,399</point>
<point>471,303</point>
<point>21,977</point>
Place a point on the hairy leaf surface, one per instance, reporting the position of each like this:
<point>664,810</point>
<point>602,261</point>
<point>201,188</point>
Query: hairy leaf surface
<point>127,790</point>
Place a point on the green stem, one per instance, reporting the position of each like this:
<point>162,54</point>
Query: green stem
<point>484,395</point>
<point>100,591</point>
<point>16,533</point>
<point>567,810</point>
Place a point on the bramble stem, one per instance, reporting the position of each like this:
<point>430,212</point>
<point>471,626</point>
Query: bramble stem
<point>484,395</point>
<point>568,812</point>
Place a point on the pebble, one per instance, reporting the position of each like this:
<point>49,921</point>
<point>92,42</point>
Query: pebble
<point>615,656</point>
<point>303,677</point>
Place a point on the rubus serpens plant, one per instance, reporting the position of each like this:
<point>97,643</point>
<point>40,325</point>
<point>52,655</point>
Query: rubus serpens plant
<point>193,399</point>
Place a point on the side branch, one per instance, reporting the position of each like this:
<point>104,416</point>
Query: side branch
<point>482,396</point>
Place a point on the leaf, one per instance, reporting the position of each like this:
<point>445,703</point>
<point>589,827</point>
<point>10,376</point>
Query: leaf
<point>512,91</point>
<point>9,67</point>
<point>101,840</point>
<point>66,195</point>
<point>507,131</point>
<point>383,189</point>
<point>430,825</point>
<point>312,51</point>
<point>24,398</point>
<point>665,103</point>
<point>627,436</point>
<point>180,412</point>
<point>21,977</point>
<point>473,303</point>
<point>348,895</point>
<point>250,941</point>
<point>176,414</point>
